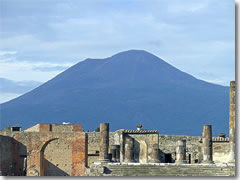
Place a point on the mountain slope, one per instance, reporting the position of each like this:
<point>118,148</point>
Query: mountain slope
<point>126,89</point>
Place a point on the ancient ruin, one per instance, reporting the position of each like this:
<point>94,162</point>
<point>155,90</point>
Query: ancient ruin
<point>66,150</point>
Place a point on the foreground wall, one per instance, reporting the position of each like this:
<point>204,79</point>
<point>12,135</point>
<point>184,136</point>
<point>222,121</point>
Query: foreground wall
<point>160,170</point>
<point>46,150</point>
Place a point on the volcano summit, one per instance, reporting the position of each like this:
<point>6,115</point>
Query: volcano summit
<point>129,88</point>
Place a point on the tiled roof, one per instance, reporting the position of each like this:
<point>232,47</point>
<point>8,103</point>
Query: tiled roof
<point>141,131</point>
<point>221,139</point>
<point>218,139</point>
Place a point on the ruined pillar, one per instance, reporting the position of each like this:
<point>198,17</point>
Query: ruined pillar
<point>181,152</point>
<point>155,158</point>
<point>115,150</point>
<point>104,142</point>
<point>129,145</point>
<point>232,120</point>
<point>118,153</point>
<point>199,155</point>
<point>207,144</point>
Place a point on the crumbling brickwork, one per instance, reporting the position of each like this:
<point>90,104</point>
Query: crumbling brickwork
<point>42,145</point>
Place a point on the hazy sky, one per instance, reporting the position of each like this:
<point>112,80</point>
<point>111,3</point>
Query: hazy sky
<point>41,38</point>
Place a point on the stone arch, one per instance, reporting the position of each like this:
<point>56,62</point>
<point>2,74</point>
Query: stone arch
<point>56,158</point>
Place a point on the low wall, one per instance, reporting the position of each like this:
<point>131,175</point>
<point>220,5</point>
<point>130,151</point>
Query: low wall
<point>160,169</point>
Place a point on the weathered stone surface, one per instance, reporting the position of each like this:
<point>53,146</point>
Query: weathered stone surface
<point>47,152</point>
<point>57,158</point>
<point>232,120</point>
<point>115,151</point>
<point>104,142</point>
<point>181,152</point>
<point>155,158</point>
<point>161,169</point>
<point>55,128</point>
<point>207,144</point>
<point>129,145</point>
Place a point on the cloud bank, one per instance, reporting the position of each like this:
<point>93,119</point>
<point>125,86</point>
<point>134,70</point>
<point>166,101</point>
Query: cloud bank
<point>43,38</point>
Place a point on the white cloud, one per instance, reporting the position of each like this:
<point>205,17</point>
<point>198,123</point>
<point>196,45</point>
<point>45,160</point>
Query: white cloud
<point>4,97</point>
<point>75,30</point>
<point>25,70</point>
<point>4,53</point>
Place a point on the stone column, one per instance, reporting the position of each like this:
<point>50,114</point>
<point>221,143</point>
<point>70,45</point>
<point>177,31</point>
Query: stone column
<point>232,120</point>
<point>129,145</point>
<point>155,158</point>
<point>104,142</point>
<point>181,152</point>
<point>207,144</point>
<point>115,153</point>
<point>199,156</point>
<point>118,154</point>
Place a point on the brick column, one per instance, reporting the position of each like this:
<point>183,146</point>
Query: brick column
<point>207,144</point>
<point>232,120</point>
<point>104,142</point>
<point>129,145</point>
<point>181,152</point>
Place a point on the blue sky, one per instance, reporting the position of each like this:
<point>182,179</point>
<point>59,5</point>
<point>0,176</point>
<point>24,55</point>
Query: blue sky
<point>40,39</point>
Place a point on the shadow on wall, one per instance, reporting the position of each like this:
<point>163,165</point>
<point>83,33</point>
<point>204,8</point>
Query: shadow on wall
<point>13,157</point>
<point>136,151</point>
<point>52,170</point>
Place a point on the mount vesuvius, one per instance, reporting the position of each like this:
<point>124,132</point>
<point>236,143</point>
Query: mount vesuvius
<point>126,89</point>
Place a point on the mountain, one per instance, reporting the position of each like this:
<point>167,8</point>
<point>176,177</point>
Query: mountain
<point>126,89</point>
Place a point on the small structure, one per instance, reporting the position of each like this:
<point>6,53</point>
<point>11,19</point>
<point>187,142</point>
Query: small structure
<point>138,145</point>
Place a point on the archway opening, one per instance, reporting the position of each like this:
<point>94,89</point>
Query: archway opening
<point>56,158</point>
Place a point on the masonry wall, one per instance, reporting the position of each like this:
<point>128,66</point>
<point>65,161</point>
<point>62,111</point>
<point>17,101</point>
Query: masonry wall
<point>13,151</point>
<point>167,145</point>
<point>58,158</point>
<point>221,151</point>
<point>39,147</point>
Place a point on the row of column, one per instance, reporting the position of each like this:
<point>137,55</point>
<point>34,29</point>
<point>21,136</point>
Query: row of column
<point>104,144</point>
<point>180,149</point>
<point>115,149</point>
<point>206,147</point>
<point>207,152</point>
<point>129,147</point>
